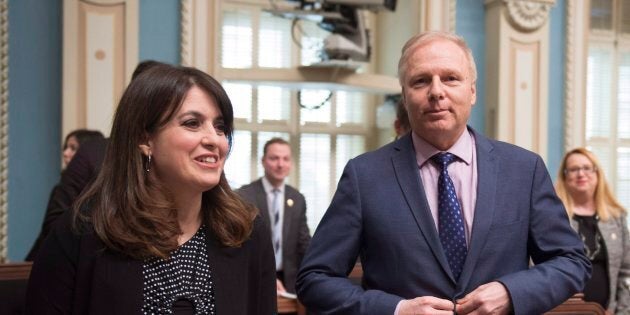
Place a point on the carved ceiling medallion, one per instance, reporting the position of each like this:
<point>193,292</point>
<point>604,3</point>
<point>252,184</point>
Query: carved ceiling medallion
<point>528,15</point>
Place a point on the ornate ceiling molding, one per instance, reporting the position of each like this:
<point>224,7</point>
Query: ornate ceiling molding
<point>528,15</point>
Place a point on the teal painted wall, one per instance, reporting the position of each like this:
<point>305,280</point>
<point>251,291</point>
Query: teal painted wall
<point>470,25</point>
<point>555,146</point>
<point>35,77</point>
<point>159,30</point>
<point>35,63</point>
<point>469,15</point>
<point>34,116</point>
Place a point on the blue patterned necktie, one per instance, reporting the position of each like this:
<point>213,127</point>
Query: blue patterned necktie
<point>450,221</point>
<point>275,226</point>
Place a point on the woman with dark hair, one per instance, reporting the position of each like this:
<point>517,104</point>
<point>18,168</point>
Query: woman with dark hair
<point>160,231</point>
<point>74,140</point>
<point>600,220</point>
<point>71,144</point>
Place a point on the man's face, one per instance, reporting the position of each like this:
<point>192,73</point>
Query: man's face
<point>277,162</point>
<point>438,90</point>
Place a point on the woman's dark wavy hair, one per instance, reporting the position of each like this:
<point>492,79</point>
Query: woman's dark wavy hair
<point>82,136</point>
<point>130,210</point>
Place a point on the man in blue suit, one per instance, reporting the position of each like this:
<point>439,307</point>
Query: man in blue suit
<point>444,219</point>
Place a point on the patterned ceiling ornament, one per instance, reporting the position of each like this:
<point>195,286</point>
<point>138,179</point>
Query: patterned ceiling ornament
<point>528,15</point>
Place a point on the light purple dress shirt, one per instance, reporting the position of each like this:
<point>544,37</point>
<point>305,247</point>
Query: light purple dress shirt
<point>463,173</point>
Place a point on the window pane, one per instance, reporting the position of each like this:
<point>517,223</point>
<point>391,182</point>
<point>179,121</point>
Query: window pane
<point>274,41</point>
<point>236,41</point>
<point>623,176</point>
<point>315,175</point>
<point>604,155</point>
<point>350,107</point>
<point>598,90</point>
<point>601,14</point>
<point>315,105</point>
<point>237,166</point>
<point>348,146</point>
<point>273,103</point>
<point>241,97</point>
<point>263,137</point>
<point>623,96</point>
<point>312,42</point>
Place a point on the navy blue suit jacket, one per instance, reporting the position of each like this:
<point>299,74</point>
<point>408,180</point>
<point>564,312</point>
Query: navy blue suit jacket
<point>381,214</point>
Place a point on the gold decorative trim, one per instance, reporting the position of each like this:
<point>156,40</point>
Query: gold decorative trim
<point>576,53</point>
<point>569,74</point>
<point>185,46</point>
<point>4,128</point>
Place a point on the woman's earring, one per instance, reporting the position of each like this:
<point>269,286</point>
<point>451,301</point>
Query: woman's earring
<point>148,163</point>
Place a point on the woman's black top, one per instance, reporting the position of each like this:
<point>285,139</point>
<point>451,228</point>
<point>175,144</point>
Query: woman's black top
<point>181,284</point>
<point>597,288</point>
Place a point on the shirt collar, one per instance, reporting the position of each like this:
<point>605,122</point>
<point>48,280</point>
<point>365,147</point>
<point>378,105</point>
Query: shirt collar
<point>462,148</point>
<point>268,187</point>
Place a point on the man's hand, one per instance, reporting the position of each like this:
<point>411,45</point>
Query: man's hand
<point>279,286</point>
<point>425,305</point>
<point>490,298</point>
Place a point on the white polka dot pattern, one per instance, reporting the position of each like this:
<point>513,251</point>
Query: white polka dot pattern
<point>185,275</point>
<point>450,221</point>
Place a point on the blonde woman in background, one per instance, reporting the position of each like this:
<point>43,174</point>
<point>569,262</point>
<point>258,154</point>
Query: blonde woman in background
<point>601,222</point>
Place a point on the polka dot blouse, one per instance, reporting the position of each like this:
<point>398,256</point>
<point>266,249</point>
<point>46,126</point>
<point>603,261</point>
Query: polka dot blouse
<point>182,284</point>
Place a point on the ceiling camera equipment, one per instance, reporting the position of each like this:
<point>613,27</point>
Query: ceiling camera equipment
<point>349,38</point>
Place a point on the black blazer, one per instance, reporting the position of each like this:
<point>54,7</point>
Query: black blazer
<point>76,274</point>
<point>79,173</point>
<point>295,233</point>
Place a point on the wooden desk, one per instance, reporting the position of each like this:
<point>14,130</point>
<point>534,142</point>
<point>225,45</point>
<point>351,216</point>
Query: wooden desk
<point>15,271</point>
<point>13,282</point>
<point>290,306</point>
<point>577,305</point>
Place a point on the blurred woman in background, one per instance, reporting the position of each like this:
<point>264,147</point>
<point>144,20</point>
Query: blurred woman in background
<point>74,140</point>
<point>600,220</point>
<point>71,144</point>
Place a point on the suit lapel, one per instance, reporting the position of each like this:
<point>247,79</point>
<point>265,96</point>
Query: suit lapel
<point>261,201</point>
<point>487,168</point>
<point>407,173</point>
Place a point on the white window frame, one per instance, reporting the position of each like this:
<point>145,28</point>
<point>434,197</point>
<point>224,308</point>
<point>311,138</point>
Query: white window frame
<point>576,98</point>
<point>202,22</point>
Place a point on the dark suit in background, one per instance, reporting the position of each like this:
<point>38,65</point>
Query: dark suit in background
<point>295,233</point>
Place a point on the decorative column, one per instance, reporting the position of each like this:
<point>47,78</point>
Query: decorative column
<point>100,52</point>
<point>576,55</point>
<point>517,72</point>
<point>200,29</point>
<point>438,15</point>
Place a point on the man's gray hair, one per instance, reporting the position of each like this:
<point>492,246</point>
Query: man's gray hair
<point>425,37</point>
